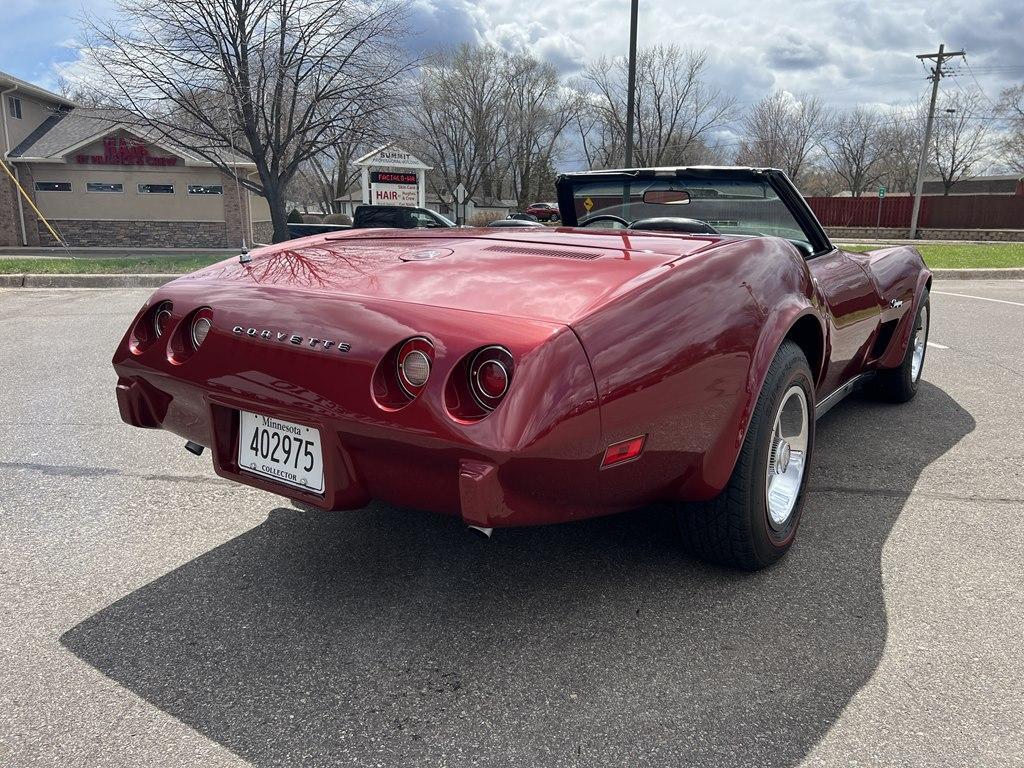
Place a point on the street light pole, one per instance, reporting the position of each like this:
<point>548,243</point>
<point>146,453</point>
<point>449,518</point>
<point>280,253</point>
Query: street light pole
<point>631,84</point>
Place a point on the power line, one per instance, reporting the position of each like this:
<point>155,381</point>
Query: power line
<point>975,79</point>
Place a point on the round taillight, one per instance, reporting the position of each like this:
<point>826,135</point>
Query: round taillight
<point>492,378</point>
<point>201,325</point>
<point>415,358</point>
<point>490,374</point>
<point>162,319</point>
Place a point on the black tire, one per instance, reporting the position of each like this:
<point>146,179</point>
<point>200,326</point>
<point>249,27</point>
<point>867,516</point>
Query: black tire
<point>554,218</point>
<point>898,385</point>
<point>734,529</point>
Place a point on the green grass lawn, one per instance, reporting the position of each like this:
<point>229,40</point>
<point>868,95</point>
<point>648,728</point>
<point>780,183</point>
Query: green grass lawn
<point>155,265</point>
<point>937,255</point>
<point>962,255</point>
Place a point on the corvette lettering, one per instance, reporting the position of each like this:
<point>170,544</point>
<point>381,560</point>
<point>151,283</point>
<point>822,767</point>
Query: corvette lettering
<point>312,342</point>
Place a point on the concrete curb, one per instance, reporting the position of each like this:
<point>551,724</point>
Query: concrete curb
<point>85,281</point>
<point>1008,273</point>
<point>155,281</point>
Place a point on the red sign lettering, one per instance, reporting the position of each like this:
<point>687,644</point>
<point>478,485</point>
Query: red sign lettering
<point>125,151</point>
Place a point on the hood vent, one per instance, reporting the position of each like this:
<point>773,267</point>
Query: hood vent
<point>524,251</point>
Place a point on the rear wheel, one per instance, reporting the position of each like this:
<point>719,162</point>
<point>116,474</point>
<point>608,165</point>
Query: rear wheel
<point>752,523</point>
<point>898,385</point>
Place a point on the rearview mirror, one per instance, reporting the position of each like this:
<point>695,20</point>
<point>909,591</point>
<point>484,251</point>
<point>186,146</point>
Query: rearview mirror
<point>667,196</point>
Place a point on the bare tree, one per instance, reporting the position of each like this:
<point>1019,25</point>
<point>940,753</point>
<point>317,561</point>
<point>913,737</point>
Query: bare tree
<point>853,149</point>
<point>783,131</point>
<point>600,137</point>
<point>461,104</point>
<point>1011,143</point>
<point>268,81</point>
<point>540,111</point>
<point>900,136</point>
<point>675,108</point>
<point>83,96</point>
<point>331,172</point>
<point>960,139</point>
<point>820,181</point>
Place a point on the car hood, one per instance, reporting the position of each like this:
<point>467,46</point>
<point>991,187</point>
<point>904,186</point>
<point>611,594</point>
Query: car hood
<point>554,275</point>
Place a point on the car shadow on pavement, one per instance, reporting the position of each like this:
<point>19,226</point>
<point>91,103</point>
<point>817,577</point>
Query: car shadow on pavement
<point>390,637</point>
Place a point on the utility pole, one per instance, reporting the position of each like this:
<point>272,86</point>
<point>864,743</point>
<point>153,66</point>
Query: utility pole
<point>631,84</point>
<point>937,74</point>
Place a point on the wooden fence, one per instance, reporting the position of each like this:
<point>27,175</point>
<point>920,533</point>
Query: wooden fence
<point>937,212</point>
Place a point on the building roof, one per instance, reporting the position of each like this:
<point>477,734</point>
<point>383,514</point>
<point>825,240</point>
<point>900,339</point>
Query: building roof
<point>69,129</point>
<point>1001,184</point>
<point>393,156</point>
<point>10,81</point>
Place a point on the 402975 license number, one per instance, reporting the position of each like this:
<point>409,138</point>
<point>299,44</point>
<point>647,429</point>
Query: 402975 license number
<point>281,450</point>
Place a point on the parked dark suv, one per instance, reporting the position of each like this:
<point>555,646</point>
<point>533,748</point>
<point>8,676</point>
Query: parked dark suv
<point>392,216</point>
<point>398,217</point>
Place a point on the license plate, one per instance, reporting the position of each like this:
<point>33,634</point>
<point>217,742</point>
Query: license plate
<point>286,452</point>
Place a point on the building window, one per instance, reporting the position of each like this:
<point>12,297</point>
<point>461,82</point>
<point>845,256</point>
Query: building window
<point>14,107</point>
<point>156,189</point>
<point>53,186</point>
<point>103,186</point>
<point>205,189</point>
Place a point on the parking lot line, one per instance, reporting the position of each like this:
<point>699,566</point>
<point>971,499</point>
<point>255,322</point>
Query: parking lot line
<point>937,345</point>
<point>979,298</point>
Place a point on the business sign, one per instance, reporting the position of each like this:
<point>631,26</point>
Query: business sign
<point>390,177</point>
<point>397,157</point>
<point>121,150</point>
<point>394,194</point>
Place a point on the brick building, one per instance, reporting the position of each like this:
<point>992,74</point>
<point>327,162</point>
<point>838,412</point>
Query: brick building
<point>100,181</point>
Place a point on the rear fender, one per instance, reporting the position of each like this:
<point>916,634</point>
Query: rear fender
<point>682,360</point>
<point>777,328</point>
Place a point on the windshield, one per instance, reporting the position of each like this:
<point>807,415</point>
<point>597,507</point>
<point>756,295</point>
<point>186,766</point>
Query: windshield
<point>730,206</point>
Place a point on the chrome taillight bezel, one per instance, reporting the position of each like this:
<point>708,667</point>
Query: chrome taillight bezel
<point>497,354</point>
<point>203,314</point>
<point>163,309</point>
<point>423,349</point>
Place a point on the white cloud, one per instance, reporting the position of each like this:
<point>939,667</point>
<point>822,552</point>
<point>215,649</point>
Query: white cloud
<point>846,51</point>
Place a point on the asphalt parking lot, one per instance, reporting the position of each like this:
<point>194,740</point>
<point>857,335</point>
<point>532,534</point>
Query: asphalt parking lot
<point>153,614</point>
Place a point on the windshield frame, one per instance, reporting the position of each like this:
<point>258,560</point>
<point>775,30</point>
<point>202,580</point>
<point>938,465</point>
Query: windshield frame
<point>776,179</point>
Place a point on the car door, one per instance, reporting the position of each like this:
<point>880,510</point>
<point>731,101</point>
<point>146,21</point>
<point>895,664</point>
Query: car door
<point>853,307</point>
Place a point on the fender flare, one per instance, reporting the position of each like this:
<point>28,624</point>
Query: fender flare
<point>893,356</point>
<point>776,329</point>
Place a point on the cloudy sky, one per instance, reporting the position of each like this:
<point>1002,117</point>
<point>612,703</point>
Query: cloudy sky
<point>847,51</point>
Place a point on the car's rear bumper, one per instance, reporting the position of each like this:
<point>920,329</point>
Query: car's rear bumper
<point>365,461</point>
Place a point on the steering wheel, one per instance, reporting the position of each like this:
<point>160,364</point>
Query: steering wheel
<point>604,217</point>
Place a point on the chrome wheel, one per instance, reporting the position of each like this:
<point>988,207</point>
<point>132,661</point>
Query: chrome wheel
<point>918,341</point>
<point>787,456</point>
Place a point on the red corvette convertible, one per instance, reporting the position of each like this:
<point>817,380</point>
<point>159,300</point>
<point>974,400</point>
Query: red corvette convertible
<point>674,341</point>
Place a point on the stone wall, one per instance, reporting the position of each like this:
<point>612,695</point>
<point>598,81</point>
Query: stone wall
<point>138,234</point>
<point>995,235</point>
<point>10,227</point>
<point>236,219</point>
<point>263,232</point>
<point>28,182</point>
